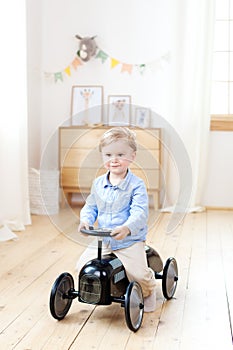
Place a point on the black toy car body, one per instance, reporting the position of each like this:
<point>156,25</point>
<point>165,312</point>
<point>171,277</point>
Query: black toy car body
<point>103,280</point>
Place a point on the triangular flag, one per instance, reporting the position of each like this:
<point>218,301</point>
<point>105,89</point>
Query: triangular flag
<point>142,68</point>
<point>114,62</point>
<point>67,71</point>
<point>167,57</point>
<point>48,75</point>
<point>126,68</point>
<point>102,55</point>
<point>58,76</point>
<point>76,62</point>
<point>156,65</point>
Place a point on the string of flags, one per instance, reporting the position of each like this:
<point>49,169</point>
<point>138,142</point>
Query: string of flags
<point>103,57</point>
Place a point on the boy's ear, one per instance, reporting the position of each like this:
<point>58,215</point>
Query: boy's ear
<point>133,155</point>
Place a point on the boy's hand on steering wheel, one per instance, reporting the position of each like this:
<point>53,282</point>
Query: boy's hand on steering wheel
<point>84,225</point>
<point>120,232</point>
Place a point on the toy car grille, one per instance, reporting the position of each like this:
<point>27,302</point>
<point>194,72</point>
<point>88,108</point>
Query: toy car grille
<point>90,289</point>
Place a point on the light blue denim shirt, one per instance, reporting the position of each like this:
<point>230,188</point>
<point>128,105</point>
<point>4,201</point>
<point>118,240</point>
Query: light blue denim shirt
<point>125,204</point>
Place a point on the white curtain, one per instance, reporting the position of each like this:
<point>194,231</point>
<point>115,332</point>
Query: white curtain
<point>189,99</point>
<point>14,198</point>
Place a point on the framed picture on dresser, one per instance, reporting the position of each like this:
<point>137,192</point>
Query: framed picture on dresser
<point>142,117</point>
<point>119,110</point>
<point>86,104</point>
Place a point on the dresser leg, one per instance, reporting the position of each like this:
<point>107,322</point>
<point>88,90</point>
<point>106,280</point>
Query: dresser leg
<point>66,198</point>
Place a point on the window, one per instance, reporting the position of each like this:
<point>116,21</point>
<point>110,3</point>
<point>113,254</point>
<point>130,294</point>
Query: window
<point>222,84</point>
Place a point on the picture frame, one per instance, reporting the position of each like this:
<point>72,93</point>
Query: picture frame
<point>86,104</point>
<point>119,110</point>
<point>142,117</point>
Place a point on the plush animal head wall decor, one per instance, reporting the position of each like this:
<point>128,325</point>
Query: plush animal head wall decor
<point>87,47</point>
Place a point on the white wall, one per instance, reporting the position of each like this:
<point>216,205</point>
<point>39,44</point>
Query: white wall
<point>34,60</point>
<point>219,180</point>
<point>130,31</point>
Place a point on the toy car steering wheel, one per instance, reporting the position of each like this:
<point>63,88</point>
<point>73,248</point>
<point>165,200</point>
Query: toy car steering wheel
<point>97,232</point>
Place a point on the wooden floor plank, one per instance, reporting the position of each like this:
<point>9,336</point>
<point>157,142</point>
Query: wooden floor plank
<point>48,333</point>
<point>170,328</point>
<point>36,235</point>
<point>220,293</point>
<point>194,316</point>
<point>217,306</point>
<point>104,320</point>
<point>30,304</point>
<point>205,303</point>
<point>226,229</point>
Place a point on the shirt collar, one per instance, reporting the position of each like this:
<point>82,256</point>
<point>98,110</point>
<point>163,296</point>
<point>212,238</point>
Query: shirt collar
<point>122,185</point>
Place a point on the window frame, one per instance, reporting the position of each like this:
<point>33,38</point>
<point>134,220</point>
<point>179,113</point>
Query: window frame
<point>220,122</point>
<point>224,122</point>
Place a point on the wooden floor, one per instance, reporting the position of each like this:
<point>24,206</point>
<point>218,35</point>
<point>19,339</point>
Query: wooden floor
<point>199,317</point>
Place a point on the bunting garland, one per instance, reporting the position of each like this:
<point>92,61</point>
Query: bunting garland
<point>113,62</point>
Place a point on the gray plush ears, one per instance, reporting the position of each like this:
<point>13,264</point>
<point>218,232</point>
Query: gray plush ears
<point>87,47</point>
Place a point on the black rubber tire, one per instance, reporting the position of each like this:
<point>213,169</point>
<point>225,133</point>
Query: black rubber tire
<point>170,278</point>
<point>59,297</point>
<point>134,306</point>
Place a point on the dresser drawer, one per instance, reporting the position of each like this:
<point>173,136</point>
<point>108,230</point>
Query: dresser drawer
<point>83,157</point>
<point>150,177</point>
<point>80,138</point>
<point>83,177</point>
<point>148,138</point>
<point>89,138</point>
<point>148,159</point>
<point>80,178</point>
<point>91,158</point>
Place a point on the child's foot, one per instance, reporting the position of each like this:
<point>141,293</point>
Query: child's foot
<point>150,302</point>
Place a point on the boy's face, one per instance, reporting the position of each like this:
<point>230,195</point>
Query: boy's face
<point>117,156</point>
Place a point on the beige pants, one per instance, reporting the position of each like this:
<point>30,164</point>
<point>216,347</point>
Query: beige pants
<point>134,260</point>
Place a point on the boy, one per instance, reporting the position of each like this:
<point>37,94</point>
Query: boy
<point>119,201</point>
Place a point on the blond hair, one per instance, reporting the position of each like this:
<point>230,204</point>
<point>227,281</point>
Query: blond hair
<point>116,134</point>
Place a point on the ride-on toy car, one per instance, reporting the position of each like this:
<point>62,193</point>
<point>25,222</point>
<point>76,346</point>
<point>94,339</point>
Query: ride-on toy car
<point>103,281</point>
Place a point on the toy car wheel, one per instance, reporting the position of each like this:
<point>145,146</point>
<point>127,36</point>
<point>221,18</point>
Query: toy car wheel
<point>60,301</point>
<point>134,306</point>
<point>170,278</point>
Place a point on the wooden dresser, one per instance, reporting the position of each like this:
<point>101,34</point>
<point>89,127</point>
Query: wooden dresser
<point>80,160</point>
